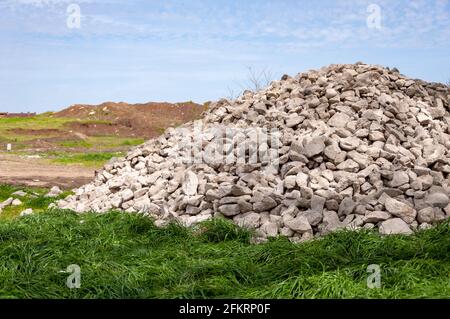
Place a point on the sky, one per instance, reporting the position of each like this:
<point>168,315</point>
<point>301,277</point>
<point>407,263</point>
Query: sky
<point>54,54</point>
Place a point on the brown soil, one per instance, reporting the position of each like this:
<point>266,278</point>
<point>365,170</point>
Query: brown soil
<point>139,120</point>
<point>101,129</point>
<point>36,172</point>
<point>51,143</point>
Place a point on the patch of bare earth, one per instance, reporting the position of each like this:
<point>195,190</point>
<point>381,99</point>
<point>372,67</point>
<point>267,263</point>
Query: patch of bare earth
<point>37,172</point>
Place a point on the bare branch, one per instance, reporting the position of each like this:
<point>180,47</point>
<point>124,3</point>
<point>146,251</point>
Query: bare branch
<point>259,79</point>
<point>231,94</point>
<point>256,81</point>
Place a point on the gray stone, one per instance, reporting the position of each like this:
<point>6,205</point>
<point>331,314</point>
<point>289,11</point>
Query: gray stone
<point>271,229</point>
<point>349,166</point>
<point>290,181</point>
<point>346,207</point>
<point>314,217</point>
<point>330,93</point>
<point>294,120</point>
<point>339,120</point>
<point>230,209</point>
<point>399,209</point>
<point>26,212</point>
<point>6,203</point>
<point>302,179</point>
<point>317,204</point>
<point>127,194</point>
<point>330,222</point>
<point>395,226</point>
<point>249,220</point>
<point>399,178</point>
<point>314,147</point>
<point>190,183</point>
<point>54,192</point>
<point>16,202</point>
<point>266,204</point>
<point>426,215</point>
<point>19,193</point>
<point>299,224</point>
<point>349,143</point>
<point>376,216</point>
<point>440,200</point>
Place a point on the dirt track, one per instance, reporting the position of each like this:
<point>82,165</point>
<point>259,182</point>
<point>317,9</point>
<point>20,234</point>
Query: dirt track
<point>37,172</point>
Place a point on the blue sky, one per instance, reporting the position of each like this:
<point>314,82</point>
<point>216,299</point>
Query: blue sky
<point>172,50</point>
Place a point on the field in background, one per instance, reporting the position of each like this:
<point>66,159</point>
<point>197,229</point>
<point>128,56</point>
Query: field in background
<point>83,136</point>
<point>49,137</point>
<point>91,134</point>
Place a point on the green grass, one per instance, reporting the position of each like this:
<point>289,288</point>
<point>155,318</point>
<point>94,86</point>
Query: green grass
<point>41,121</point>
<point>102,142</point>
<point>94,121</point>
<point>132,142</point>
<point>109,142</point>
<point>75,143</point>
<point>47,121</point>
<point>38,122</point>
<point>34,199</point>
<point>94,159</point>
<point>126,256</point>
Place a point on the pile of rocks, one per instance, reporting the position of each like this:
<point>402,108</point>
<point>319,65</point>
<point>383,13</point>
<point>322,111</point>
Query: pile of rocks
<point>346,146</point>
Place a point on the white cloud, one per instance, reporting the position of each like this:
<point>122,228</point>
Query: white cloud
<point>416,23</point>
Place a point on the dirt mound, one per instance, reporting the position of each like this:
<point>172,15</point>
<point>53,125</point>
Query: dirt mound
<point>346,146</point>
<point>143,120</point>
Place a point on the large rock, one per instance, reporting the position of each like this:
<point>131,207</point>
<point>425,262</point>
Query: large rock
<point>376,216</point>
<point>16,202</point>
<point>54,192</point>
<point>347,206</point>
<point>249,220</point>
<point>399,178</point>
<point>314,147</point>
<point>299,224</point>
<point>26,212</point>
<point>426,215</point>
<point>399,209</point>
<point>440,200</point>
<point>395,226</point>
<point>349,143</point>
<point>266,204</point>
<point>339,120</point>
<point>230,209</point>
<point>19,193</point>
<point>6,202</point>
<point>190,183</point>
<point>330,222</point>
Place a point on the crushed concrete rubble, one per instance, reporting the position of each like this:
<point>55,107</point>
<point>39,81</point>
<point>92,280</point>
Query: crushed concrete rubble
<point>344,147</point>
